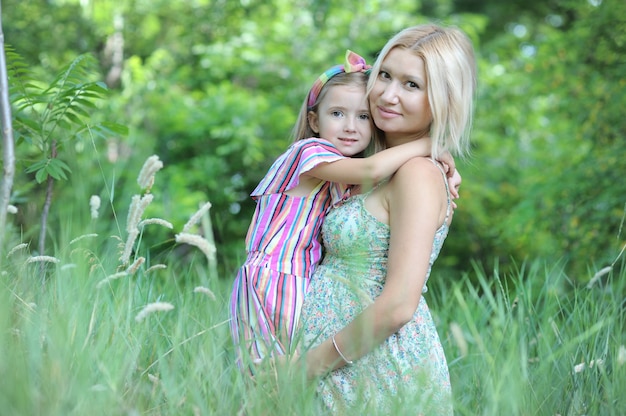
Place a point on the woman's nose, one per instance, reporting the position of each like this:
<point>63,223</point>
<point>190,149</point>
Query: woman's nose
<point>390,93</point>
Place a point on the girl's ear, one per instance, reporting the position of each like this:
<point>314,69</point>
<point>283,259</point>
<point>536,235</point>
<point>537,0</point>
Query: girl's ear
<point>313,121</point>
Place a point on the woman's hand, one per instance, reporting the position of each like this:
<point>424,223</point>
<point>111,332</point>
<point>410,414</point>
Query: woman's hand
<point>276,364</point>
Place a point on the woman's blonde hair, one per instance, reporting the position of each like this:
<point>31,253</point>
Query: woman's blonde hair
<point>450,67</point>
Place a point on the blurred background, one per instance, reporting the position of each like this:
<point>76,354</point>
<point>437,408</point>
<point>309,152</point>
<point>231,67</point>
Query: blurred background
<point>213,88</point>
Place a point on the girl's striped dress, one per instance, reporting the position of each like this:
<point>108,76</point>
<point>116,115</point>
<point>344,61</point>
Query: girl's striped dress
<point>284,246</point>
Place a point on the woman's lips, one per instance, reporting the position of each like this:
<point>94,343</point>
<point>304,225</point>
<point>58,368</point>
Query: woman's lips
<point>386,112</point>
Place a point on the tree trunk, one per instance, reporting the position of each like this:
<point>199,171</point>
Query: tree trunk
<point>8,151</point>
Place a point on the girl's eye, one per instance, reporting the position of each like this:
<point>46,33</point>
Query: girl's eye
<point>365,116</point>
<point>412,85</point>
<point>336,113</point>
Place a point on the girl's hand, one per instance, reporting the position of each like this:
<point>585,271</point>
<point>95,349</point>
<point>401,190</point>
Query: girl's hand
<point>447,161</point>
<point>454,183</point>
<point>454,177</point>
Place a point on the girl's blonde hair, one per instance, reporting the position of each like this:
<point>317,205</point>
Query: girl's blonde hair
<point>302,128</point>
<point>450,67</point>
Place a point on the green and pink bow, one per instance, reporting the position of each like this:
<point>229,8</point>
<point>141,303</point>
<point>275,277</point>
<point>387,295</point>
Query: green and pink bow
<point>354,63</point>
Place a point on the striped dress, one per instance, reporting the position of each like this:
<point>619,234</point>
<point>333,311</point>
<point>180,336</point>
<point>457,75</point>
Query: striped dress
<point>283,246</point>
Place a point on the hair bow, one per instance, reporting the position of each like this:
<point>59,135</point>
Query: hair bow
<point>354,63</point>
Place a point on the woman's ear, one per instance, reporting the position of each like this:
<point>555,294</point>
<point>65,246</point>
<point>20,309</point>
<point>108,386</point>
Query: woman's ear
<point>313,121</point>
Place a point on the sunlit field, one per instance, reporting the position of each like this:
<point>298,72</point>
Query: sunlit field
<point>102,328</point>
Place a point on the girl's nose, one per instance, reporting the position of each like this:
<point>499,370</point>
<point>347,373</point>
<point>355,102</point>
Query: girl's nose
<point>350,124</point>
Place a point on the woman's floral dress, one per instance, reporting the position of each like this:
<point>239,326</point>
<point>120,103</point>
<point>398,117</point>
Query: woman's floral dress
<point>408,372</point>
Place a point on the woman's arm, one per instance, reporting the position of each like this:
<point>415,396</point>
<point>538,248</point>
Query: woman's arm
<point>416,210</point>
<point>371,170</point>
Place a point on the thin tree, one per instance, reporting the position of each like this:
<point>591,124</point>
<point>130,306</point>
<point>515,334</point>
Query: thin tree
<point>8,148</point>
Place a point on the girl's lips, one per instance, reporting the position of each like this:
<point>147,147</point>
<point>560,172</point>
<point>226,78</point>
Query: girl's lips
<point>347,140</point>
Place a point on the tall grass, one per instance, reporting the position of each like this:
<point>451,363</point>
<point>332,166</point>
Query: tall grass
<point>535,343</point>
<point>71,343</point>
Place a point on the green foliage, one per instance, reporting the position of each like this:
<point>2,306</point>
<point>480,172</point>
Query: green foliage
<point>545,181</point>
<point>50,117</point>
<point>48,33</point>
<point>214,89</point>
<point>55,168</point>
<point>529,343</point>
<point>57,112</point>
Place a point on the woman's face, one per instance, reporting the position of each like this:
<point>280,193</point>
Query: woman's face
<point>399,98</point>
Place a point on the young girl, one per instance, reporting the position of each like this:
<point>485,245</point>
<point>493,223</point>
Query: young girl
<point>283,241</point>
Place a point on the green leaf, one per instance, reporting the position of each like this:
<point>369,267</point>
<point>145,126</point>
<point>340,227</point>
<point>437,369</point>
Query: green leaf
<point>37,166</point>
<point>54,172</point>
<point>61,164</point>
<point>115,128</point>
<point>57,168</point>
<point>81,101</point>
<point>28,123</point>
<point>41,175</point>
<point>73,117</point>
<point>79,110</point>
<point>97,87</point>
<point>93,96</point>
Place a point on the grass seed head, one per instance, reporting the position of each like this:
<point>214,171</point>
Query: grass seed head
<point>146,176</point>
<point>94,205</point>
<point>152,308</point>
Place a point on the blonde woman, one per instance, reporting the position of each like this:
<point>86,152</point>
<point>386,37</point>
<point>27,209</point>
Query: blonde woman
<point>368,333</point>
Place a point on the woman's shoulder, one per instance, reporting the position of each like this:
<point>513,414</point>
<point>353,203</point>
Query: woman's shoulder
<point>418,168</point>
<point>421,185</point>
<point>418,176</point>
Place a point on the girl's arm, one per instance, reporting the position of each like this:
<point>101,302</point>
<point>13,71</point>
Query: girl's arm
<point>373,169</point>
<point>416,210</point>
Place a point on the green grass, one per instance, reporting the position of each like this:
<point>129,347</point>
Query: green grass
<point>535,343</point>
<point>68,348</point>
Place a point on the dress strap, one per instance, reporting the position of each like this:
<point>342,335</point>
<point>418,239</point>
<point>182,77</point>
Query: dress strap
<point>364,195</point>
<point>378,185</point>
<point>449,196</point>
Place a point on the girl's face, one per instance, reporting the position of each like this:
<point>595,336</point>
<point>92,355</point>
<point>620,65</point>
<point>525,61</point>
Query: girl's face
<point>399,98</point>
<point>343,118</point>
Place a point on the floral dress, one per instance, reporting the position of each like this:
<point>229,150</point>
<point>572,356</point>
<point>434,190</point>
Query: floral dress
<point>408,372</point>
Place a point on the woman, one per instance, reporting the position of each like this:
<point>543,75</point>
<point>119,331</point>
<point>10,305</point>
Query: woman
<point>367,328</point>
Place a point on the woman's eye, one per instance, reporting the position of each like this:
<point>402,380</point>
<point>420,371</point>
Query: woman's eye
<point>364,117</point>
<point>384,75</point>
